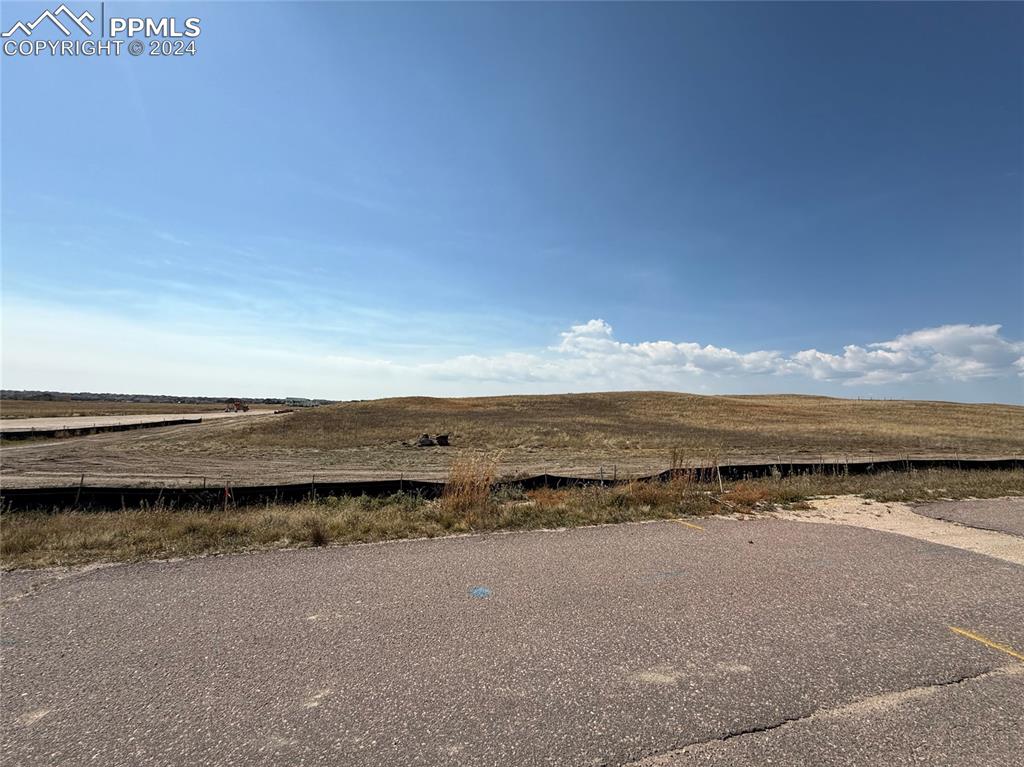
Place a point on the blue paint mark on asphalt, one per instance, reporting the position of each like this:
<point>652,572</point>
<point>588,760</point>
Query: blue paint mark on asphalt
<point>480,592</point>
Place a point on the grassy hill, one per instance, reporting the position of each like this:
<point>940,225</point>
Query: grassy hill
<point>624,433</point>
<point>609,423</point>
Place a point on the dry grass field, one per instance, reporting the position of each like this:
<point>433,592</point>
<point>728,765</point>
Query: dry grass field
<point>620,434</point>
<point>623,434</point>
<point>24,408</point>
<point>74,538</point>
<point>736,427</point>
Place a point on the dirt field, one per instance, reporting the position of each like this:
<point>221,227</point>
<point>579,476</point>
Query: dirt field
<point>657,421</point>
<point>622,434</point>
<point>83,422</point>
<point>24,408</point>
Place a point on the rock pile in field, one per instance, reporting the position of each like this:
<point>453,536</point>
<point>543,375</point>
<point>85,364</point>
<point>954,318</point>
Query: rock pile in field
<point>425,440</point>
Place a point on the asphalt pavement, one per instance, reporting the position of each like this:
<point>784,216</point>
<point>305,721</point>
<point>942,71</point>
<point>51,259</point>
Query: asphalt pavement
<point>1004,515</point>
<point>733,642</point>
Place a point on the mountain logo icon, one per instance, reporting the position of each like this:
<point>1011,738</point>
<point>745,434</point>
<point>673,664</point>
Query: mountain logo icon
<point>62,18</point>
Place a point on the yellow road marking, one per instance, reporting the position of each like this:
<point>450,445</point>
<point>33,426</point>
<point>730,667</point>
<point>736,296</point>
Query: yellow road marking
<point>987,642</point>
<point>688,524</point>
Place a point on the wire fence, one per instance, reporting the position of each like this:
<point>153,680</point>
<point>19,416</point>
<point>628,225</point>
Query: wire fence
<point>85,496</point>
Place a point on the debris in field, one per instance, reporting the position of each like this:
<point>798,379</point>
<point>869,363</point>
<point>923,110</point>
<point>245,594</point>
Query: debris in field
<point>425,440</point>
<point>724,503</point>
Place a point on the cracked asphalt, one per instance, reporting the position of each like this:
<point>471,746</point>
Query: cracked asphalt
<point>657,643</point>
<point>962,722</point>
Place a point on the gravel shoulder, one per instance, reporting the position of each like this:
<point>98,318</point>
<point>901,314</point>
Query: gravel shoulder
<point>903,519</point>
<point>1003,515</point>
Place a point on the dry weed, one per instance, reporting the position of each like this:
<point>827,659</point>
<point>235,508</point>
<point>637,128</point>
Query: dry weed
<point>469,485</point>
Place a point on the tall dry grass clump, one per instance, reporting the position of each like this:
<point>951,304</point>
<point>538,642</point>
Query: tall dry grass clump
<point>467,492</point>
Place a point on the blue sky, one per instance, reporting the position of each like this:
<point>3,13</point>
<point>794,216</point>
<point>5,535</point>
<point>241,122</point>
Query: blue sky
<point>363,200</point>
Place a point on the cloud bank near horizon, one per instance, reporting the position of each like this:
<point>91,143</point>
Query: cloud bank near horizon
<point>590,352</point>
<point>66,349</point>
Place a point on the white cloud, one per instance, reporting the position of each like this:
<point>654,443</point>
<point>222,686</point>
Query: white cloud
<point>595,341</point>
<point>64,348</point>
<point>944,353</point>
<point>589,353</point>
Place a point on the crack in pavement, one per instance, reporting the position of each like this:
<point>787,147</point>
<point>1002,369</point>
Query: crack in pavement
<point>753,730</point>
<point>872,704</point>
